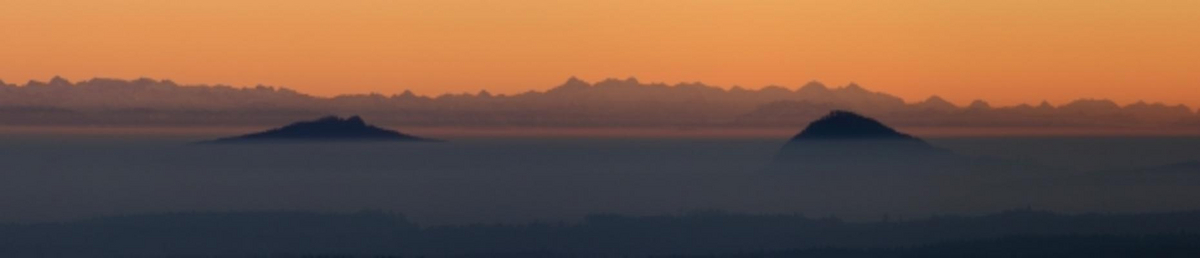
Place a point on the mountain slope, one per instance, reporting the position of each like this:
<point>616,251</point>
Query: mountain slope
<point>325,129</point>
<point>844,140</point>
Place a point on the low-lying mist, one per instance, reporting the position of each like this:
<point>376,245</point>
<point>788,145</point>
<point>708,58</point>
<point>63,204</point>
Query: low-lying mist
<point>52,178</point>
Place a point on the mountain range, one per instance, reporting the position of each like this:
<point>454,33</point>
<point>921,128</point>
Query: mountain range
<point>574,103</point>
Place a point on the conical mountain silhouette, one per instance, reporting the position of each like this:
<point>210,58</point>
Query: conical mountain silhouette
<point>845,140</point>
<point>329,128</point>
<point>840,124</point>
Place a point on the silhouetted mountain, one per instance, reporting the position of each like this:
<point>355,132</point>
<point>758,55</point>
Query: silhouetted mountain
<point>325,129</point>
<point>935,104</point>
<point>844,140</point>
<point>574,103</point>
<point>845,125</point>
<point>979,105</point>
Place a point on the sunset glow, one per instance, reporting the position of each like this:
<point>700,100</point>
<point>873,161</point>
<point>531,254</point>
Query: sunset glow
<point>1005,52</point>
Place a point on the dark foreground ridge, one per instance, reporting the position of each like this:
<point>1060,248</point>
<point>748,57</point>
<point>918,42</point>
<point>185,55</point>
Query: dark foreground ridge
<point>329,128</point>
<point>843,140</point>
<point>1016,233</point>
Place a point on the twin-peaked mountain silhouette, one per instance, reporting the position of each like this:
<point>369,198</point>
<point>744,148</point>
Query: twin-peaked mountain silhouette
<point>840,140</point>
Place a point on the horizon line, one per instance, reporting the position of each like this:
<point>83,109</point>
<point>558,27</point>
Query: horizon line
<point>485,92</point>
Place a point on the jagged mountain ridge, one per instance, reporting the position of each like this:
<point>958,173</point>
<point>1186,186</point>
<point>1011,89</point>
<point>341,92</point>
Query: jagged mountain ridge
<point>612,102</point>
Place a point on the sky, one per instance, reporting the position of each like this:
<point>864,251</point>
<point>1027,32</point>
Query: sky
<point>1006,52</point>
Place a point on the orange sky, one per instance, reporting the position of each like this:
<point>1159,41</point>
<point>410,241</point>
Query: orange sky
<point>1003,51</point>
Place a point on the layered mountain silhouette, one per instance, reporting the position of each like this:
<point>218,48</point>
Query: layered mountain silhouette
<point>845,140</point>
<point>574,103</point>
<point>329,128</point>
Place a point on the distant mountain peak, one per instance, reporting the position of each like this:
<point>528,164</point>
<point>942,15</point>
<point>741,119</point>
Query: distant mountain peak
<point>813,86</point>
<point>408,94</point>
<point>615,82</point>
<point>1045,105</point>
<point>840,124</point>
<point>854,87</point>
<point>329,128</point>
<point>936,102</point>
<point>59,81</point>
<point>574,80</point>
<point>979,104</point>
<point>572,84</point>
<point>935,99</point>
